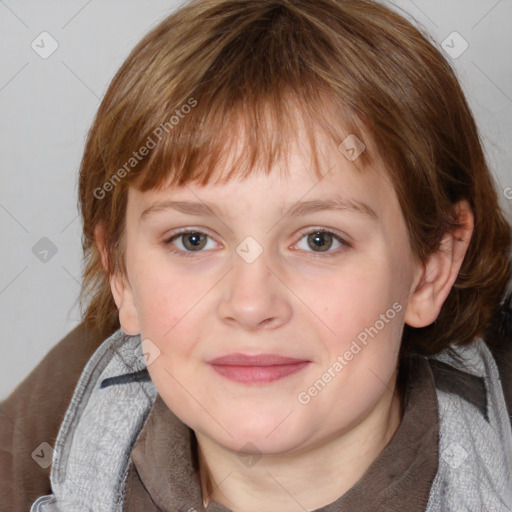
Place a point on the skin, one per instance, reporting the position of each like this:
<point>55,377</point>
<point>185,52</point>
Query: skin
<point>293,300</point>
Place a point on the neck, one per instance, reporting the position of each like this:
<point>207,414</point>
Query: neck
<point>276,482</point>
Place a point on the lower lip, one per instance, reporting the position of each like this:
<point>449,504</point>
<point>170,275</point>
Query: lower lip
<point>258,374</point>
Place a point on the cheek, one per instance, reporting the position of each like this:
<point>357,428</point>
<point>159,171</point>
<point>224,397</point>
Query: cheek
<point>356,299</point>
<point>163,298</point>
<point>366,315</point>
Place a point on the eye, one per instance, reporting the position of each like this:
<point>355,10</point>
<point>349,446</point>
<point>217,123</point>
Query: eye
<point>321,241</point>
<point>318,241</point>
<point>188,241</point>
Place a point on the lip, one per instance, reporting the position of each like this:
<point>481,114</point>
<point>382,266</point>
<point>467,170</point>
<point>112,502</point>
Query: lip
<point>256,369</point>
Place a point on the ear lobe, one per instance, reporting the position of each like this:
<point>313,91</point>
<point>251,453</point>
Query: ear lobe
<point>123,297</point>
<point>435,279</point>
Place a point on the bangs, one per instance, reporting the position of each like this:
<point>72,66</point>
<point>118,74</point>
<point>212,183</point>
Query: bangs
<point>225,138</point>
<point>252,92</point>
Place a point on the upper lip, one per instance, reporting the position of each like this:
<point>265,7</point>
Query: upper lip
<point>237,359</point>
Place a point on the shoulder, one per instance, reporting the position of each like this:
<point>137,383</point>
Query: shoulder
<point>482,369</point>
<point>60,367</point>
<point>31,415</point>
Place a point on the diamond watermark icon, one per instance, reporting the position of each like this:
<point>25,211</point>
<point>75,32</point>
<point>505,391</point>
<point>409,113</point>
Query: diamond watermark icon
<point>454,455</point>
<point>150,352</point>
<point>455,45</point>
<point>351,147</point>
<point>43,455</point>
<point>249,455</point>
<point>44,45</point>
<point>249,249</point>
<point>44,250</point>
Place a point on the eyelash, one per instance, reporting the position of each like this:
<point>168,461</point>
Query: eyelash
<point>313,254</point>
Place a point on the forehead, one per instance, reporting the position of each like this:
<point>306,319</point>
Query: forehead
<point>224,142</point>
<point>259,141</point>
<point>292,186</point>
<point>270,165</point>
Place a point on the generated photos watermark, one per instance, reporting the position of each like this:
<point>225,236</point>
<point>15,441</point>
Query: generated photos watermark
<point>342,360</point>
<point>151,142</point>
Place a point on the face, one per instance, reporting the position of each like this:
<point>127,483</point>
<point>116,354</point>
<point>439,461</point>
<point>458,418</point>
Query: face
<point>299,285</point>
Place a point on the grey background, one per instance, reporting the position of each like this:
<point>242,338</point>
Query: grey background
<point>47,106</point>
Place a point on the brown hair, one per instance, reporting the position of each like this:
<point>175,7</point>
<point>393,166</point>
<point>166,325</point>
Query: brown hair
<point>259,66</point>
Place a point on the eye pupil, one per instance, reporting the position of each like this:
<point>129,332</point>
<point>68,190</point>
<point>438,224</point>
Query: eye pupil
<point>319,240</point>
<point>194,241</point>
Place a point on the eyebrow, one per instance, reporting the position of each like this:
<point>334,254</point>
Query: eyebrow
<point>295,209</point>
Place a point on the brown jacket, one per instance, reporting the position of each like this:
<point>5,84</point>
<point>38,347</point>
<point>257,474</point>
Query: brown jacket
<point>163,472</point>
<point>32,414</point>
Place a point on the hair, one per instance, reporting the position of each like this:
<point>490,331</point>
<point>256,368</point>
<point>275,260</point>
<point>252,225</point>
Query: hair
<point>217,74</point>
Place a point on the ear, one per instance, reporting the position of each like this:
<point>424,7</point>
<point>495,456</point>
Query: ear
<point>434,280</point>
<point>120,288</point>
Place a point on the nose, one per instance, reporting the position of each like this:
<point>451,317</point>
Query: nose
<point>253,297</point>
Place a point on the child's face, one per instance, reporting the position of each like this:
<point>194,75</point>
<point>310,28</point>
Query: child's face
<point>346,304</point>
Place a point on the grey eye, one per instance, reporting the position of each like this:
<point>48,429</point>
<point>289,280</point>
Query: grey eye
<point>320,240</point>
<point>192,241</point>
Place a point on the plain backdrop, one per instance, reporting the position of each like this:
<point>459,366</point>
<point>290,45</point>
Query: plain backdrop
<point>47,103</point>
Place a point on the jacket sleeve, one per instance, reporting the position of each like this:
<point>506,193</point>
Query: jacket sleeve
<point>31,416</point>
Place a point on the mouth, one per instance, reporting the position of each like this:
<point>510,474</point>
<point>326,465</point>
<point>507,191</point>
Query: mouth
<point>257,369</point>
